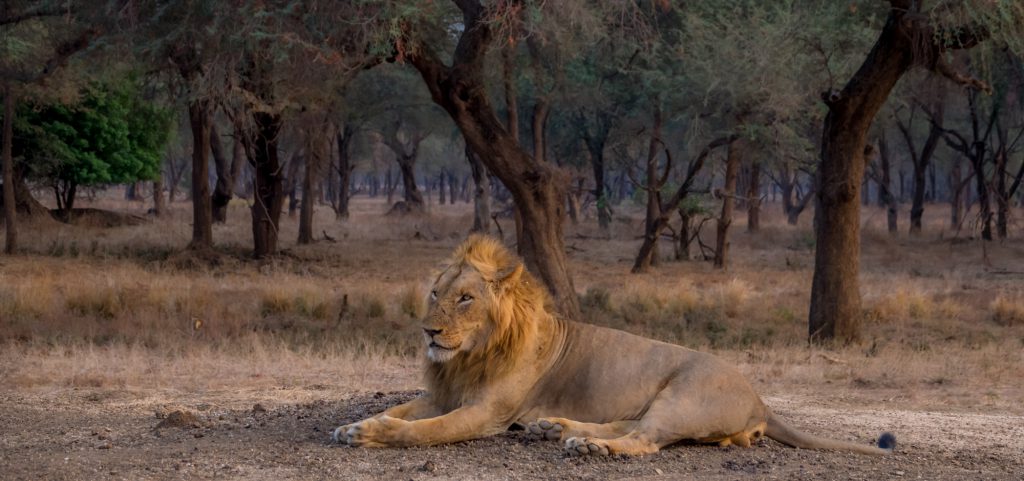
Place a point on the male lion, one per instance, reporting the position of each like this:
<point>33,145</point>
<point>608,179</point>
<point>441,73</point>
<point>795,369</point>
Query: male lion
<point>498,357</point>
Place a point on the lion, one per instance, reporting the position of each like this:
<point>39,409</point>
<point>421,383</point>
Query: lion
<point>498,358</point>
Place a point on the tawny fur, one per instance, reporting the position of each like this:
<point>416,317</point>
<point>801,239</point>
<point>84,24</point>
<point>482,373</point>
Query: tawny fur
<point>500,358</point>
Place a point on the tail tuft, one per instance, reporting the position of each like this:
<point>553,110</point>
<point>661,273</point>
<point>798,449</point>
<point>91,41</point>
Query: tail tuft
<point>887,441</point>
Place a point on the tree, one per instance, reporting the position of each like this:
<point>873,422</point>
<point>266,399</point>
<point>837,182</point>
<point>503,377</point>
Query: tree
<point>911,36</point>
<point>922,159</point>
<point>31,32</point>
<point>537,187</point>
<point>405,143</point>
<point>109,136</point>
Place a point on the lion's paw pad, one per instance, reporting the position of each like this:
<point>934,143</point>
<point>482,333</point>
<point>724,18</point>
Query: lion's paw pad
<point>583,447</point>
<point>546,429</point>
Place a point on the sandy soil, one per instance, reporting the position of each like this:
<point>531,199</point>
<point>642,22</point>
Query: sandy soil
<point>283,434</point>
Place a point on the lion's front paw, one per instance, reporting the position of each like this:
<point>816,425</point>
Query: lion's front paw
<point>546,428</point>
<point>339,435</point>
<point>370,433</point>
<point>583,447</point>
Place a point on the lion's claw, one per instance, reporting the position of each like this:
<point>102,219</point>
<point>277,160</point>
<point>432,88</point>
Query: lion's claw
<point>583,447</point>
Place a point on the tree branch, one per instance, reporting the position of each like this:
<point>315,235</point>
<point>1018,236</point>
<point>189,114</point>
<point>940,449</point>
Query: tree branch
<point>946,70</point>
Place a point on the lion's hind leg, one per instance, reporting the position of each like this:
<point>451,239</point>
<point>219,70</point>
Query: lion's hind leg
<point>680,411</point>
<point>562,429</point>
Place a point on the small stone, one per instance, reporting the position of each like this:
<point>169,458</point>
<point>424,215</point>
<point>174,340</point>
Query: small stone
<point>258,408</point>
<point>429,467</point>
<point>104,446</point>
<point>660,472</point>
<point>899,473</point>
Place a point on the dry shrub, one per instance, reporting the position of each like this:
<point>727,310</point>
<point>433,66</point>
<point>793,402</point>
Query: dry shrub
<point>1007,311</point>
<point>32,300</point>
<point>91,300</point>
<point>412,301</point>
<point>731,296</point>
<point>903,304</point>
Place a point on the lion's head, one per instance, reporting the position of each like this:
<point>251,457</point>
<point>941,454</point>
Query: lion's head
<point>484,306</point>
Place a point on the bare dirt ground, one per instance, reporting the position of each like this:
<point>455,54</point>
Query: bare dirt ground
<point>104,376</point>
<point>114,434</point>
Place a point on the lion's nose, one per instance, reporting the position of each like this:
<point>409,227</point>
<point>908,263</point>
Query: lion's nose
<point>432,332</point>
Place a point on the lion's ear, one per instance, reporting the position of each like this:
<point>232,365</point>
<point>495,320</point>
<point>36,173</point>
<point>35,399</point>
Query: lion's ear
<point>508,278</point>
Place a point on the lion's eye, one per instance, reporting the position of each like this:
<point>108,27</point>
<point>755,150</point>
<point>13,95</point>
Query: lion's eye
<point>465,298</point>
<point>433,295</point>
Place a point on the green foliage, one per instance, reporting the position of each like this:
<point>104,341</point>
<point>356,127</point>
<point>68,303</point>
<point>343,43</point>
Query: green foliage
<point>110,135</point>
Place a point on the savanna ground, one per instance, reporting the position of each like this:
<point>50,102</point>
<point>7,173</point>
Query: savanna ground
<point>121,357</point>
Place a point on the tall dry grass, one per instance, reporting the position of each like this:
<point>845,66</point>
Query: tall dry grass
<point>86,306</point>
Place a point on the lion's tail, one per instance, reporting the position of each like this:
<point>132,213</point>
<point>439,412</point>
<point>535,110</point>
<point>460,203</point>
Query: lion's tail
<point>784,433</point>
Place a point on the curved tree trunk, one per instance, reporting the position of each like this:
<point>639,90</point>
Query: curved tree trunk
<point>835,294</point>
<point>835,310</point>
<point>538,188</point>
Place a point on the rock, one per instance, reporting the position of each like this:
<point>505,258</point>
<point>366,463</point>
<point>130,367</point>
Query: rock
<point>428,467</point>
<point>258,408</point>
<point>179,419</point>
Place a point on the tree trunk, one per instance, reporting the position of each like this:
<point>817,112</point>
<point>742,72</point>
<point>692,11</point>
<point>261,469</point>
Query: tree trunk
<point>653,193</point>
<point>956,189</point>
<point>595,146</point>
<point>292,180</point>
<point>442,194</point>
<point>732,165</point>
<point>683,247</point>
<point>10,206</point>
<point>345,167</point>
<point>224,187</point>
<point>158,197</point>
<point>238,162</point>
<point>202,210</point>
<point>481,193</point>
<point>540,123</point>
<point>984,202</point>
<point>537,187</point>
<point>316,154</point>
<point>389,187</point>
<point>835,309</point>
<point>1001,195</point>
<point>511,99</point>
<point>921,162</point>
<point>754,198</point>
<point>268,191</point>
<point>413,197</point>
<point>651,234</point>
<point>453,188</point>
<point>572,201</point>
<point>885,190</point>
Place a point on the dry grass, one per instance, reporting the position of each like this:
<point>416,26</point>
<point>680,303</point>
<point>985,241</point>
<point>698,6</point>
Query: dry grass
<point>116,307</point>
